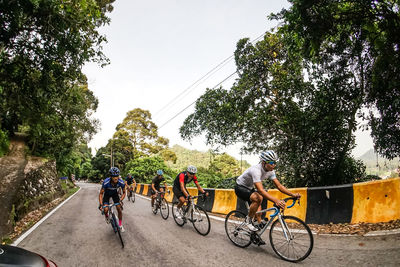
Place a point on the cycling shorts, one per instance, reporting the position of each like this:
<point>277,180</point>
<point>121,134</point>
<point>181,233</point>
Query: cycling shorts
<point>106,198</point>
<point>177,192</point>
<point>244,193</point>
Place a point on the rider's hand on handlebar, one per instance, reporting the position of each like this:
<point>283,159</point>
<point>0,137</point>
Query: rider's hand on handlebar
<point>297,195</point>
<point>281,204</point>
<point>188,197</point>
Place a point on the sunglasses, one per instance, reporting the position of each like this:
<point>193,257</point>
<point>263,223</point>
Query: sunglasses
<point>192,173</point>
<point>271,162</point>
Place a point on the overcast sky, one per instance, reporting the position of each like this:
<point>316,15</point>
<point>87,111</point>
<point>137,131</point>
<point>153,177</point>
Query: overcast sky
<point>159,48</point>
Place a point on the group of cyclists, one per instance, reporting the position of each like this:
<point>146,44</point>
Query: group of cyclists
<point>248,188</point>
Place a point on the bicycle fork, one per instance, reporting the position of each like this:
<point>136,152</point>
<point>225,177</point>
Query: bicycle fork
<point>285,229</point>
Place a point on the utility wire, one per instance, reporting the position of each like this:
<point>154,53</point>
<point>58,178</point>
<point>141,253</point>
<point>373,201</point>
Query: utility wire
<point>194,102</point>
<point>201,79</point>
<point>179,95</point>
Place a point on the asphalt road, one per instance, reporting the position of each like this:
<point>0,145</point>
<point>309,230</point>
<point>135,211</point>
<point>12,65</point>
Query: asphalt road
<point>77,235</point>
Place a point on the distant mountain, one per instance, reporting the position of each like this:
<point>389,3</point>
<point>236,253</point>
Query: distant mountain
<point>197,158</point>
<point>378,165</point>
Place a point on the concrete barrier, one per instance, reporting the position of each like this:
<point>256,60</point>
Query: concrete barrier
<point>375,201</point>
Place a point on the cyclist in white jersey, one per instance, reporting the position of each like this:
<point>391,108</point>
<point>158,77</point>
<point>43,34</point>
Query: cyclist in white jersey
<point>249,186</point>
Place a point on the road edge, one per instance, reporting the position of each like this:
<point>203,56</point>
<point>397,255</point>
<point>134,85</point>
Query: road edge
<point>30,230</point>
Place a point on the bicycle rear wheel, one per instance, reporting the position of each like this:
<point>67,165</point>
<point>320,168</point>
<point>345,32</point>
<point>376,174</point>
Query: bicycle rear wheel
<point>236,229</point>
<point>291,238</point>
<point>200,220</point>
<point>164,209</point>
<point>179,220</point>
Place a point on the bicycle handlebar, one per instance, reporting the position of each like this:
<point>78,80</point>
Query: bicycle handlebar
<point>295,199</point>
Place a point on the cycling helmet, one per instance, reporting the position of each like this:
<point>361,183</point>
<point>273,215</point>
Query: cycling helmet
<point>191,169</point>
<point>268,155</point>
<point>160,172</point>
<point>114,172</point>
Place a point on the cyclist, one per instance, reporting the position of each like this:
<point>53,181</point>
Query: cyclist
<point>155,186</point>
<point>249,187</point>
<point>130,182</point>
<point>180,190</point>
<point>109,189</point>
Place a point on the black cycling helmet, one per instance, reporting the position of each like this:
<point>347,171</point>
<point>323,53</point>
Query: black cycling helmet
<point>114,172</point>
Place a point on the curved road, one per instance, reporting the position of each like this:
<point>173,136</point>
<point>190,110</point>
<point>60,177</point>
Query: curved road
<point>76,235</point>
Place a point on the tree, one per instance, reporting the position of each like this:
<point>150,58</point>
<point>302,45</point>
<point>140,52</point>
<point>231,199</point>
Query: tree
<point>364,36</point>
<point>145,168</point>
<point>138,135</point>
<point>43,46</point>
<point>272,106</point>
<point>226,165</point>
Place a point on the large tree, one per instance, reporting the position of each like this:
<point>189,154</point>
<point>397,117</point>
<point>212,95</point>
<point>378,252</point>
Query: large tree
<point>272,105</point>
<point>364,35</point>
<point>137,136</point>
<point>43,46</point>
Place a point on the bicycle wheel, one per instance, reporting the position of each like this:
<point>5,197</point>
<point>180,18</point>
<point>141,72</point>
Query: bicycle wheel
<point>200,220</point>
<point>133,196</point>
<point>164,209</point>
<point>236,230</point>
<point>179,220</point>
<point>117,229</point>
<point>291,238</point>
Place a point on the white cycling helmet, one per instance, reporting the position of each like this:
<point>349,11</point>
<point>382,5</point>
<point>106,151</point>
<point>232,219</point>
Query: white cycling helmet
<point>191,169</point>
<point>268,155</point>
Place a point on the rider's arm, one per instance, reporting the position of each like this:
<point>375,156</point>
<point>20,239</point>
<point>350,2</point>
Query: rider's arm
<point>261,190</point>
<point>153,187</point>
<point>166,187</point>
<point>101,197</point>
<point>134,182</point>
<point>199,188</point>
<point>183,189</point>
<point>124,193</point>
<point>284,190</point>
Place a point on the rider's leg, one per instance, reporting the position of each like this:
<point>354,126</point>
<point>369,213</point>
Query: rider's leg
<point>258,215</point>
<point>182,200</point>
<point>256,200</point>
<point>119,209</point>
<point>152,199</point>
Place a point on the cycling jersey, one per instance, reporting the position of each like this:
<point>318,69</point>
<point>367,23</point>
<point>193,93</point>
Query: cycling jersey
<point>111,190</point>
<point>254,174</point>
<point>129,180</point>
<point>183,177</point>
<point>157,182</point>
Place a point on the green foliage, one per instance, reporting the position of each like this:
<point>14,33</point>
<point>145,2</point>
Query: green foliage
<point>44,45</point>
<point>361,36</point>
<point>4,143</point>
<point>226,165</point>
<point>310,123</point>
<point>144,169</point>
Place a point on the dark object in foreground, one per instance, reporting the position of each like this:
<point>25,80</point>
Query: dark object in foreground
<point>15,256</point>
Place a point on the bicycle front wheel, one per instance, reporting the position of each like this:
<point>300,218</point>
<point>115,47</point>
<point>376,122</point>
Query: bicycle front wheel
<point>117,229</point>
<point>164,209</point>
<point>236,230</point>
<point>133,196</point>
<point>200,220</point>
<point>177,217</point>
<point>291,238</point>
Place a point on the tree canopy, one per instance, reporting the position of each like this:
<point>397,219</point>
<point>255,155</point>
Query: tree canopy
<point>43,46</point>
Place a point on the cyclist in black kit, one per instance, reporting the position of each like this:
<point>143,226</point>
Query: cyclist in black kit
<point>130,182</point>
<point>155,186</point>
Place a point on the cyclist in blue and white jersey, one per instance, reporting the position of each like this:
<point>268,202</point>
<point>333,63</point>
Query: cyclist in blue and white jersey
<point>109,189</point>
<point>249,187</point>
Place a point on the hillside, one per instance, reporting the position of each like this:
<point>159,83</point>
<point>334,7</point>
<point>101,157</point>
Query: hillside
<point>378,165</point>
<point>187,157</point>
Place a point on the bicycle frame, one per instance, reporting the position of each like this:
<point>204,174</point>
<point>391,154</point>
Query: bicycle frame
<point>278,212</point>
<point>190,205</point>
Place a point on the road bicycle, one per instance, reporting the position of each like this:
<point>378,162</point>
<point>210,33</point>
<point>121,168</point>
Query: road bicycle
<point>131,194</point>
<point>290,237</point>
<point>161,204</point>
<point>112,219</point>
<point>193,213</point>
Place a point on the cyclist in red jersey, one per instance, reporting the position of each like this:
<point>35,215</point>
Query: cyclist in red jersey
<point>180,190</point>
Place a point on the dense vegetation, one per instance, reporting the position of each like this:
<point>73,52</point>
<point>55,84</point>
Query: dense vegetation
<point>301,89</point>
<point>43,92</point>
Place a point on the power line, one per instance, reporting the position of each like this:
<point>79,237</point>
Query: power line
<point>194,102</point>
<point>179,95</point>
<point>202,79</point>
